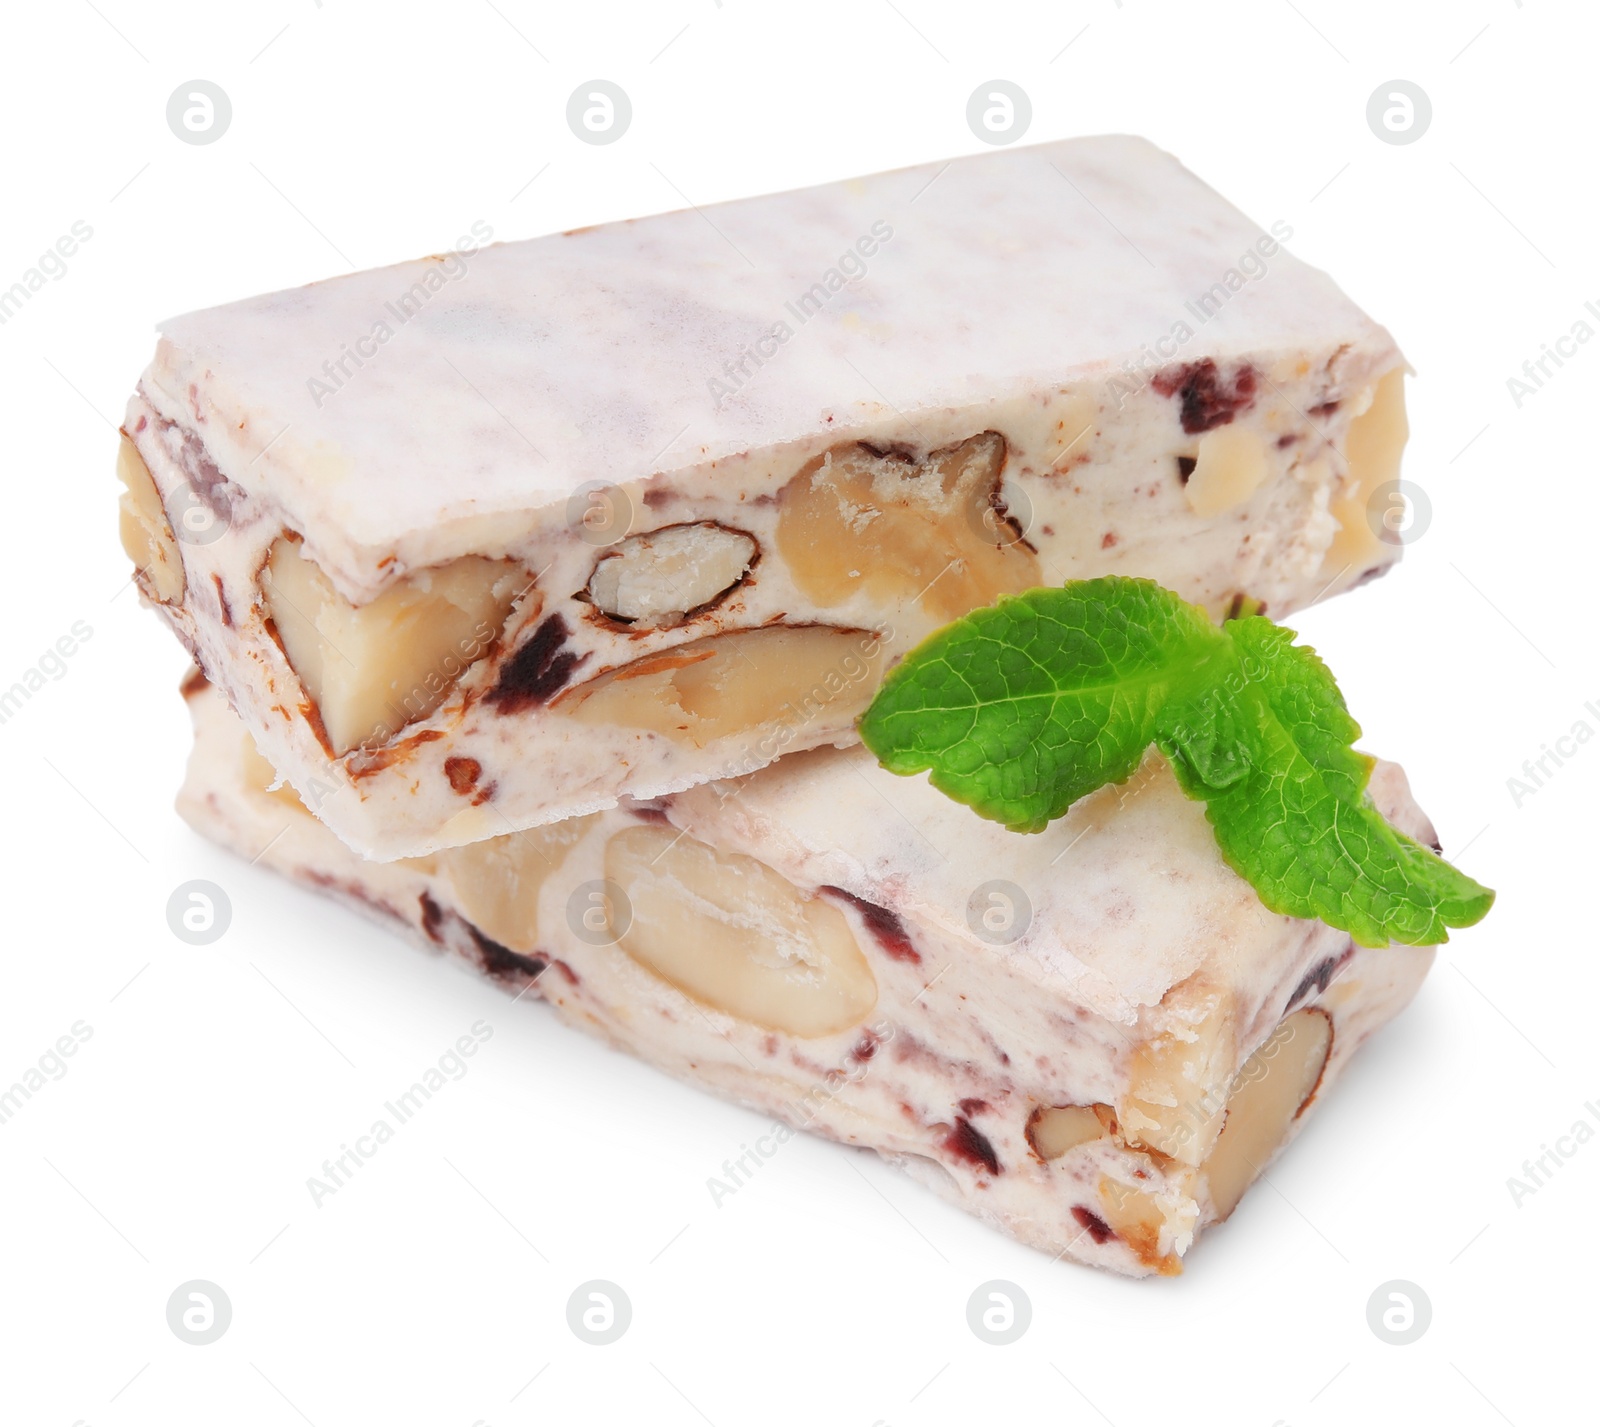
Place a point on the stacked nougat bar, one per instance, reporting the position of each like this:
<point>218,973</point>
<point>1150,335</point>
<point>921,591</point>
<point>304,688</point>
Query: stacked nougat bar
<point>537,589</point>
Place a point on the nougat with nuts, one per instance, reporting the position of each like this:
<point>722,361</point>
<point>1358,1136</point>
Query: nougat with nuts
<point>1095,1038</point>
<point>616,512</point>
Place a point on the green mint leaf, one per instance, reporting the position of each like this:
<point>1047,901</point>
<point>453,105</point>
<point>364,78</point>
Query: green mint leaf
<point>1299,693</point>
<point>1269,751</point>
<point>1020,709</point>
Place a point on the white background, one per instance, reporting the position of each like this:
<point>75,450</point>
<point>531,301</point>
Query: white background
<point>432,1290</point>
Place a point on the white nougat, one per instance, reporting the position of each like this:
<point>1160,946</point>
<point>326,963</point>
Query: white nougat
<point>481,539</point>
<point>1093,1038</point>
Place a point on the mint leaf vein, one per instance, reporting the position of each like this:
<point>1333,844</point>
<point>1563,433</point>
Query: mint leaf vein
<point>1020,709</point>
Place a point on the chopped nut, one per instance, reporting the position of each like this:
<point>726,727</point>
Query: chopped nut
<point>1176,1090</point>
<point>146,532</point>
<point>742,682</point>
<point>371,670</point>
<point>733,934</point>
<point>497,882</point>
<point>1373,449</point>
<point>1054,1129</point>
<point>1230,463</point>
<point>1156,1236</point>
<point>659,577</point>
<point>1269,1094</point>
<point>259,773</point>
<point>853,521</point>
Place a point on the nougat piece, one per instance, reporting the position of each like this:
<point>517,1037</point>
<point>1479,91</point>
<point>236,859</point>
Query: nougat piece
<point>615,512</point>
<point>1094,1038</point>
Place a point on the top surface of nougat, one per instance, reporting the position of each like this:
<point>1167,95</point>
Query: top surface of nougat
<point>435,407</point>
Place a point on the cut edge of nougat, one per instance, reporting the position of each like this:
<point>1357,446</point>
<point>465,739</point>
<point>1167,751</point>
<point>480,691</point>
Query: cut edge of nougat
<point>1124,1204</point>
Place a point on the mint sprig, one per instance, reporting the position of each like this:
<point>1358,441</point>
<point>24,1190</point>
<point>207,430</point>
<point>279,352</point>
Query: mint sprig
<point>1020,709</point>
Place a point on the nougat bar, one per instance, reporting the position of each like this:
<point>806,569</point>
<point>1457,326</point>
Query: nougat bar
<point>494,538</point>
<point>1094,1038</point>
